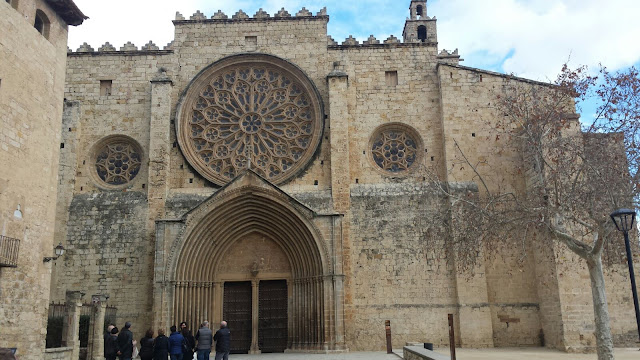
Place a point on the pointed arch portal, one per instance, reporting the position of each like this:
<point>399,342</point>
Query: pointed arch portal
<point>247,250</point>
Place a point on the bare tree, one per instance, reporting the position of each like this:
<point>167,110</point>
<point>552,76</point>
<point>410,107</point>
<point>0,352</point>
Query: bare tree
<point>576,172</point>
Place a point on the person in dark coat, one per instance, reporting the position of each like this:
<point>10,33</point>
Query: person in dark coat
<point>223,342</point>
<point>146,346</point>
<point>175,344</point>
<point>161,346</point>
<point>125,343</point>
<point>110,344</point>
<point>190,342</point>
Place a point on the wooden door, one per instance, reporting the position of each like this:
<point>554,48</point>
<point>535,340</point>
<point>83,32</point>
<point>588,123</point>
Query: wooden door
<point>236,311</point>
<point>273,316</point>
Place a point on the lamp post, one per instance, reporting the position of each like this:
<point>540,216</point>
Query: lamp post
<point>624,219</point>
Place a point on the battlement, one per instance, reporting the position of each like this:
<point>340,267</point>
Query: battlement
<point>260,15</point>
<point>127,49</point>
<point>391,41</point>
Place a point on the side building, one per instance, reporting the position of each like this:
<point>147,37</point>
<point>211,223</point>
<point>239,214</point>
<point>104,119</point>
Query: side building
<point>33,55</point>
<point>257,171</point>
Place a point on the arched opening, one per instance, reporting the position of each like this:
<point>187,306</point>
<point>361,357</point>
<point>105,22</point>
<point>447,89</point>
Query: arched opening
<point>42,24</point>
<point>422,33</point>
<point>419,10</point>
<point>249,254</point>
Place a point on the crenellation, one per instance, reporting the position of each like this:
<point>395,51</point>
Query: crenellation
<point>392,40</point>
<point>197,16</point>
<point>169,46</point>
<point>261,14</point>
<point>129,46</point>
<point>350,41</point>
<point>106,47</point>
<point>322,12</point>
<point>219,15</point>
<point>304,13</point>
<point>371,41</point>
<point>330,41</point>
<point>282,14</point>
<point>179,16</point>
<point>85,48</point>
<point>150,46</point>
<point>240,15</point>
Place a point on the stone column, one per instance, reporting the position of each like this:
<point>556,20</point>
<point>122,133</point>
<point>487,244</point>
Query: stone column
<point>255,349</point>
<point>339,122</point>
<point>95,350</point>
<point>71,327</point>
<point>157,187</point>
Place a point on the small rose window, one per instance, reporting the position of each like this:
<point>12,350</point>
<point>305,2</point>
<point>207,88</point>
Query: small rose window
<point>117,161</point>
<point>395,148</point>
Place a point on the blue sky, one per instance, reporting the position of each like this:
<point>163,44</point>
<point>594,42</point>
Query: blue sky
<point>530,38</point>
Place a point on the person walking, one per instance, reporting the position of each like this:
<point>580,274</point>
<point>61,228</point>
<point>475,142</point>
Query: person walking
<point>223,342</point>
<point>146,346</point>
<point>189,342</point>
<point>205,340</point>
<point>125,343</point>
<point>161,346</point>
<point>175,344</point>
<point>110,343</point>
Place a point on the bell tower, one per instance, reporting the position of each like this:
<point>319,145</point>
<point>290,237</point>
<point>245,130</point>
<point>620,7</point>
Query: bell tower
<point>419,27</point>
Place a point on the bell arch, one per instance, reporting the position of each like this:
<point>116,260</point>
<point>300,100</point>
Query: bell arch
<point>237,215</point>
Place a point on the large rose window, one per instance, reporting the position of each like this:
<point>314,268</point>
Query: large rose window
<point>250,111</point>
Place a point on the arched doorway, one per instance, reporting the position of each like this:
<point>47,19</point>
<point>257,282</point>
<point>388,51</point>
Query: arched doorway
<point>247,250</point>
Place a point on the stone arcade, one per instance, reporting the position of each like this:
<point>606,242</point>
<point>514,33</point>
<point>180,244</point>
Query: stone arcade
<point>255,170</point>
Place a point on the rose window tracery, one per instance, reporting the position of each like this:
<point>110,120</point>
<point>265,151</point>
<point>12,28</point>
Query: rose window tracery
<point>252,111</point>
<point>118,161</point>
<point>395,148</point>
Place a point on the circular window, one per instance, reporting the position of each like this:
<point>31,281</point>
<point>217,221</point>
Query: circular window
<point>117,161</point>
<point>250,111</point>
<point>395,148</point>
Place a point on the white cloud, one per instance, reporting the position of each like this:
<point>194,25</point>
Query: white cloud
<point>538,34</point>
<point>542,34</point>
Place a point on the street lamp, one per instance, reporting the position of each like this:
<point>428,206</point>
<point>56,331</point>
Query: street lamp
<point>59,250</point>
<point>624,219</point>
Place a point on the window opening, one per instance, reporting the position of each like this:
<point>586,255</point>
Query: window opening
<point>391,78</point>
<point>105,87</point>
<point>42,23</point>
<point>422,33</point>
<point>419,10</point>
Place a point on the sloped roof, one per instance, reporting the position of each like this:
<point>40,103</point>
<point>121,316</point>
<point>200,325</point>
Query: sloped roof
<point>68,11</point>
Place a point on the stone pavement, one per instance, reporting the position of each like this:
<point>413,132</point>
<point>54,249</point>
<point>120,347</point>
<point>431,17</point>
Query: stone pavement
<point>533,353</point>
<point>462,354</point>
<point>346,356</point>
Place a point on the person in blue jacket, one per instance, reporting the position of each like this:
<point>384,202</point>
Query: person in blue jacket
<point>175,344</point>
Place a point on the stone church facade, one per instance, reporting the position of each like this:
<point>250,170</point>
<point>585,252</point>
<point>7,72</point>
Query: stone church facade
<point>257,171</point>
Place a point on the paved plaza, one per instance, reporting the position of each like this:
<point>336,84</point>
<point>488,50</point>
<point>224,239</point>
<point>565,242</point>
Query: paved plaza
<point>462,354</point>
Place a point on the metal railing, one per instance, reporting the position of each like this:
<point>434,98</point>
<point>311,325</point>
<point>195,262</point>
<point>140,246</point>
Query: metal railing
<point>9,251</point>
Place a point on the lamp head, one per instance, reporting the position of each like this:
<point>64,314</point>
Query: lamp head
<point>623,219</point>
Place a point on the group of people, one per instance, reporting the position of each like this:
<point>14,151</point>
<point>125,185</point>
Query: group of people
<point>180,345</point>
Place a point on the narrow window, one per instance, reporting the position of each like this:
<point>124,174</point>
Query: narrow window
<point>105,87</point>
<point>422,33</point>
<point>419,10</point>
<point>391,78</point>
<point>42,23</point>
<point>251,43</point>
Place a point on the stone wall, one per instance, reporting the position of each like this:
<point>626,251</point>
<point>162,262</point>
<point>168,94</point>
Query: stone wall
<point>109,252</point>
<point>32,73</point>
<point>398,235</point>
